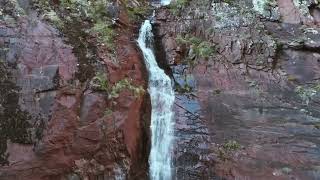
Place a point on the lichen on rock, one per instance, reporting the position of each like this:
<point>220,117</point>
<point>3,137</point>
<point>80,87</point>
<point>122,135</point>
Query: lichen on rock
<point>303,7</point>
<point>267,8</point>
<point>229,16</point>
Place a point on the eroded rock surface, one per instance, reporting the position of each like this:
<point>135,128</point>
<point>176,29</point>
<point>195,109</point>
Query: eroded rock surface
<point>250,110</point>
<point>53,124</point>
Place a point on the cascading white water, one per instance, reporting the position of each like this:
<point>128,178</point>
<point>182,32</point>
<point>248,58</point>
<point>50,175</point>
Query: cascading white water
<point>162,99</point>
<point>165,2</point>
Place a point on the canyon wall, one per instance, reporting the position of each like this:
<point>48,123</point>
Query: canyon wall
<point>247,83</point>
<point>58,116</point>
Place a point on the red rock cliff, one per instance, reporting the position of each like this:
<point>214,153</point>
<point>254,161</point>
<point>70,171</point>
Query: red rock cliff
<point>54,124</point>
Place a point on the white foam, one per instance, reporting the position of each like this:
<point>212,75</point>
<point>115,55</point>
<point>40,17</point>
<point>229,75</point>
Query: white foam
<point>165,2</point>
<point>162,99</point>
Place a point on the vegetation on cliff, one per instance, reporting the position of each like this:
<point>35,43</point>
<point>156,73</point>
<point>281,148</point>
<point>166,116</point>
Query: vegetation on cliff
<point>101,83</point>
<point>178,6</point>
<point>196,48</point>
<point>226,150</point>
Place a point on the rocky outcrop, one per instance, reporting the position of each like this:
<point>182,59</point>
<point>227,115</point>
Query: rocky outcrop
<point>53,123</point>
<point>248,110</point>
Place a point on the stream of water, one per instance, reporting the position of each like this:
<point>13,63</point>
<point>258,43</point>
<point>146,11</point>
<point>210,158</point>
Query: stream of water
<point>165,2</point>
<point>162,99</point>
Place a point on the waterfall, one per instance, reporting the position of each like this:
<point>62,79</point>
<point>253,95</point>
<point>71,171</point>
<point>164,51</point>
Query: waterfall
<point>162,99</point>
<point>165,2</point>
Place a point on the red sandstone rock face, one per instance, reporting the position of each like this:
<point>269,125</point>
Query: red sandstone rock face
<point>289,13</point>
<point>76,137</point>
<point>307,14</point>
<point>245,92</point>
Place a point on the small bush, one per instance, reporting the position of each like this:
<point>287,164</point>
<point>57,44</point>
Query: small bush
<point>101,82</point>
<point>231,145</point>
<point>98,10</point>
<point>227,149</point>
<point>307,93</point>
<point>198,47</point>
<point>204,50</point>
<point>177,6</point>
<point>105,33</point>
<point>137,13</point>
<point>125,84</point>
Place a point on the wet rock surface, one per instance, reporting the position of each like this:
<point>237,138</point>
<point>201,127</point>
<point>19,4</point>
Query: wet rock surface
<point>250,110</point>
<point>53,125</point>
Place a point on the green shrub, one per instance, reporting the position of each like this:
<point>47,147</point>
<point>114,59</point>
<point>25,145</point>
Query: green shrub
<point>105,33</point>
<point>97,10</point>
<point>178,5</point>
<point>101,81</point>
<point>75,6</point>
<point>204,50</point>
<point>231,145</point>
<point>137,13</point>
<point>125,84</point>
<point>199,47</point>
<point>307,93</point>
<point>227,149</point>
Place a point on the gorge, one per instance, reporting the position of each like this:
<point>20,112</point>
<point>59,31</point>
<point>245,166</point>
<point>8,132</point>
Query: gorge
<point>203,89</point>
